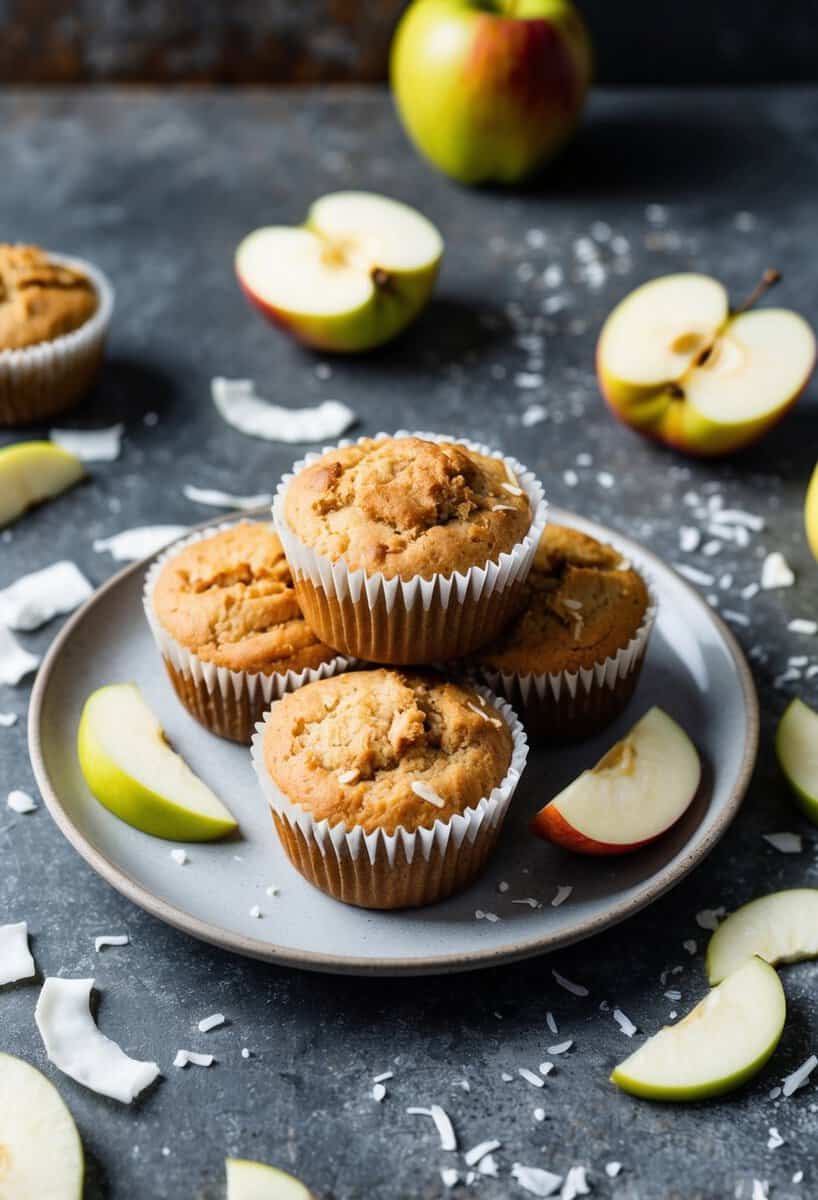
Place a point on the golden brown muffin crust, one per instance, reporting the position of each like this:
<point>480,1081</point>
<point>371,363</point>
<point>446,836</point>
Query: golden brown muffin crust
<point>584,603</point>
<point>407,506</point>
<point>229,599</point>
<point>39,299</point>
<point>351,747</point>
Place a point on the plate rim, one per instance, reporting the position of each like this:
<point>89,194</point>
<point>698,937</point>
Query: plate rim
<point>249,947</point>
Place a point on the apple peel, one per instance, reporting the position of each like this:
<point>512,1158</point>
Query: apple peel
<point>239,406</point>
<point>80,1050</point>
<point>16,961</point>
<point>35,599</point>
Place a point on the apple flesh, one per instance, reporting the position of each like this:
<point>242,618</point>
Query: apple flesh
<point>248,1180</point>
<point>490,90</point>
<point>133,772</point>
<point>676,365</point>
<point>40,1150</point>
<point>31,472</point>
<point>796,744</point>
<point>634,794</point>
<point>781,927</point>
<point>351,278</point>
<point>811,512</point>
<point>720,1044</point>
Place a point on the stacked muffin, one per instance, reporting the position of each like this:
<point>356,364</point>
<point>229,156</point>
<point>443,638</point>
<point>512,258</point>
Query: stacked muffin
<point>388,787</point>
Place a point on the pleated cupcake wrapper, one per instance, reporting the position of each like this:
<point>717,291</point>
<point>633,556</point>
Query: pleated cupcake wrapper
<point>340,602</point>
<point>237,689</point>
<point>591,690</point>
<point>38,382</point>
<point>370,852</point>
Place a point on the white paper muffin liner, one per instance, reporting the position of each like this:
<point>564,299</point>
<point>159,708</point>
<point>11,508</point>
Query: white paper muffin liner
<point>574,704</point>
<point>40,381</point>
<point>404,868</point>
<point>228,702</point>
<point>418,620</point>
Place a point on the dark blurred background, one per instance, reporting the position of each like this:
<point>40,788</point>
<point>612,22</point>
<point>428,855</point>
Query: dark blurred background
<point>303,41</point>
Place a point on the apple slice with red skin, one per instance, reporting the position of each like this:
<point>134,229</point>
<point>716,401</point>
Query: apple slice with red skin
<point>634,794</point>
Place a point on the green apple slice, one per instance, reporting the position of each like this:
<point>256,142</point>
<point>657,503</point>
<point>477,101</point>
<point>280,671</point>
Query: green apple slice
<point>352,277</point>
<point>133,772</point>
<point>40,1149</point>
<point>781,927</point>
<point>796,743</point>
<point>719,1045</point>
<point>247,1180</point>
<point>31,472</point>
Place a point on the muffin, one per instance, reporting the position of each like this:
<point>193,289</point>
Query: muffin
<point>570,661</point>
<point>409,549</point>
<point>54,316</point>
<point>388,790</point>
<point>225,616</point>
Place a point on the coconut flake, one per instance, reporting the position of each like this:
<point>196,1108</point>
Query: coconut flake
<point>551,1023</point>
<point>272,890</point>
<point>245,1053</point>
<point>179,857</point>
<point>530,1077</point>
<point>791,1083</point>
<point>15,957</point>
<point>185,1057</point>
<point>36,598</point>
<point>488,1166</point>
<point>570,478</point>
<point>536,1180</point>
<point>775,1139</point>
<point>140,542</point>
<point>539,1114</point>
<point>689,539</point>
<point>803,625</point>
<point>378,1092</point>
<point>20,802</point>
<point>690,946</point>
<point>427,793</point>
<point>239,406</point>
<point>216,499</point>
<point>786,843</point>
<point>512,489</point>
<point>612,1169</point>
<point>708,918</point>
<point>533,415</point>
<point>624,1022</point>
<point>445,1129</point>
<point>80,1050</point>
<point>211,1022</point>
<point>694,574</point>
<point>255,912</point>
<point>561,1047</point>
<point>472,1157</point>
<point>776,572</point>
<point>798,1177</point>
<point>605,479</point>
<point>7,720</point>
<point>576,1184</point>
<point>15,662</point>
<point>562,894</point>
<point>546,1068</point>
<point>384,1075</point>
<point>450,1177</point>
<point>737,618</point>
<point>91,445</point>
<point>576,989</point>
<point>111,939</point>
<point>530,901</point>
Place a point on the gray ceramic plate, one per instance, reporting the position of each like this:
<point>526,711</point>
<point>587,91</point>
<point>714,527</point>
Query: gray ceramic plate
<point>694,669</point>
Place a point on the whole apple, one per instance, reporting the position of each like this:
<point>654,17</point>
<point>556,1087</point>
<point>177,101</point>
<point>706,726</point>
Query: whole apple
<point>489,90</point>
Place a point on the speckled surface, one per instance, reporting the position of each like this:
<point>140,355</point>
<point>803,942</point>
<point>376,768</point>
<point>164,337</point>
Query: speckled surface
<point>158,190</point>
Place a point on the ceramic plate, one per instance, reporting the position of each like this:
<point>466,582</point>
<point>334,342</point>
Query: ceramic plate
<point>694,669</point>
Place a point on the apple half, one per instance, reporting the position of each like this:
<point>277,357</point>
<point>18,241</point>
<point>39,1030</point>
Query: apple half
<point>796,744</point>
<point>634,793</point>
<point>247,1180</point>
<point>718,1046</point>
<point>352,277</point>
<point>31,472</point>
<point>40,1150</point>
<point>676,364</point>
<point>781,927</point>
<point>130,768</point>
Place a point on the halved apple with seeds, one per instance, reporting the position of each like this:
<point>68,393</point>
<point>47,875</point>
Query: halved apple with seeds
<point>676,364</point>
<point>248,1180</point>
<point>718,1046</point>
<point>352,277</point>
<point>634,794</point>
<point>781,927</point>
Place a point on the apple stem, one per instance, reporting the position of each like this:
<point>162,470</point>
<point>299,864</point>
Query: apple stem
<point>769,279</point>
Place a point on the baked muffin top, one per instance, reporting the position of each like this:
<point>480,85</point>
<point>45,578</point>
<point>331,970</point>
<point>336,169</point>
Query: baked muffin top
<point>584,603</point>
<point>230,600</point>
<point>39,299</point>
<point>381,749</point>
<point>407,507</point>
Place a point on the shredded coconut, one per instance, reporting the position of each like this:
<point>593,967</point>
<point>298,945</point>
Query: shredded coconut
<point>20,802</point>
<point>776,572</point>
<point>530,1077</point>
<point>239,406</point>
<point>775,1139</point>
<point>799,1077</point>
<point>15,662</point>
<point>562,894</point>
<point>15,957</point>
<point>576,989</point>
<point>786,843</point>
<point>798,625</point>
<point>140,542</point>
<point>91,445</point>
<point>690,946</point>
<point>561,1047</point>
<point>576,1184</point>
<point>536,1180</point>
<point>709,918</point>
<point>612,1169</point>
<point>624,1022</point>
<point>255,912</point>
<point>694,575</point>
<point>445,1129</point>
<point>111,939</point>
<point>185,1057</point>
<point>427,793</point>
<point>7,720</point>
<point>472,1157</point>
<point>179,857</point>
<point>36,598</point>
<point>216,499</point>
<point>378,1092</point>
<point>211,1022</point>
